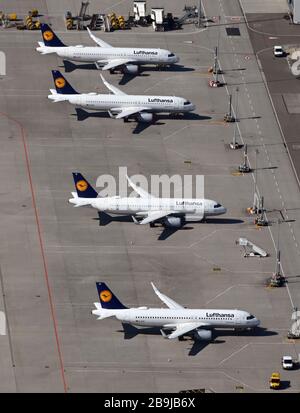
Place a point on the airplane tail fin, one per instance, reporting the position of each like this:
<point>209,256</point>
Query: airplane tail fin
<point>49,37</point>
<point>107,298</point>
<point>62,86</point>
<point>83,188</point>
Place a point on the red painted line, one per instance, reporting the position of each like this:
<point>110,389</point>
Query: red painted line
<point>42,249</point>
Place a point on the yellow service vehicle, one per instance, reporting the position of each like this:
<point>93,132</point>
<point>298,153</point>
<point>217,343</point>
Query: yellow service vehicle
<point>275,381</point>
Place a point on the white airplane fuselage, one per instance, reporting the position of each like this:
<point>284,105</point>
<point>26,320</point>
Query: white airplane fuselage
<point>163,317</point>
<point>192,209</point>
<point>156,104</point>
<point>103,54</point>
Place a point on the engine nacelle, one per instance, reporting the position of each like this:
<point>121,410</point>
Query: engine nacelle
<point>145,117</point>
<point>174,222</point>
<point>131,69</point>
<point>203,335</point>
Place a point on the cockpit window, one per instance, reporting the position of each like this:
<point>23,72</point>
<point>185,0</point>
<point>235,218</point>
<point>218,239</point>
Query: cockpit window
<point>217,205</point>
<point>171,55</point>
<point>250,317</point>
<point>187,102</point>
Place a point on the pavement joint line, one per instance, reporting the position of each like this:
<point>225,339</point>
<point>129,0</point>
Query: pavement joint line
<point>8,329</point>
<point>234,353</point>
<point>42,248</point>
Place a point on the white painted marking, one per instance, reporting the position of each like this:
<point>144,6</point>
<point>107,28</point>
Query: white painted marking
<point>2,324</point>
<point>233,354</point>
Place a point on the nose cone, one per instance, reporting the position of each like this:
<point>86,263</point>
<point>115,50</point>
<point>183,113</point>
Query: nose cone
<point>192,107</point>
<point>257,322</point>
<point>223,210</point>
<point>176,59</point>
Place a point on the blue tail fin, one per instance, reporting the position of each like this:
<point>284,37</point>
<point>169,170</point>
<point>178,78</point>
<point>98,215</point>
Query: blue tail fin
<point>107,298</point>
<point>49,37</point>
<point>83,188</point>
<point>62,86</point>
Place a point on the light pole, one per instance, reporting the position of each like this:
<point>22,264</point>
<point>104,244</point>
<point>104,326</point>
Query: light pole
<point>199,14</point>
<point>234,144</point>
<point>255,195</point>
<point>277,279</point>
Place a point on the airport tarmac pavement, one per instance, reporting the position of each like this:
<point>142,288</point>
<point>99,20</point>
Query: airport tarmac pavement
<point>53,254</point>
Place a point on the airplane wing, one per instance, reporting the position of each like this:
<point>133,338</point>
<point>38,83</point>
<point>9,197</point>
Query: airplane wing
<point>114,89</point>
<point>129,111</point>
<point>112,64</point>
<point>142,193</point>
<point>184,328</point>
<point>153,216</point>
<point>99,42</point>
<point>168,301</point>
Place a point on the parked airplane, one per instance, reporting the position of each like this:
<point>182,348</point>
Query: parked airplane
<point>105,57</point>
<point>146,209</point>
<point>119,105</point>
<point>195,322</point>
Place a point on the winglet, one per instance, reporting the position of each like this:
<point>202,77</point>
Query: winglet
<point>140,191</point>
<point>154,288</point>
<point>112,88</point>
<point>99,42</point>
<point>165,299</point>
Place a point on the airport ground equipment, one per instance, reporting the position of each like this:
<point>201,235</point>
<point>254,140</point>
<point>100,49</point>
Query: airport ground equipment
<point>287,362</point>
<point>277,279</point>
<point>99,21</point>
<point>139,11</point>
<point>77,22</point>
<point>116,22</point>
<point>294,7</point>
<point>250,249</point>
<point>190,12</point>
<point>294,332</point>
<point>234,144</point>
<point>275,381</point>
<point>11,20</point>
<point>7,20</point>
<point>245,167</point>
<point>229,116</point>
<point>157,17</point>
<point>261,219</point>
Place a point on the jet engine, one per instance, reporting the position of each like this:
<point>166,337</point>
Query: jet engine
<point>145,117</point>
<point>131,69</point>
<point>203,335</point>
<point>174,222</point>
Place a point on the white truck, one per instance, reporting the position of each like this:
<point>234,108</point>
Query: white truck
<point>287,362</point>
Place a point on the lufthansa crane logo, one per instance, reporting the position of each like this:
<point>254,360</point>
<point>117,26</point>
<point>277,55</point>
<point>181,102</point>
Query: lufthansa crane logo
<point>48,35</point>
<point>105,296</point>
<point>81,185</point>
<point>60,82</point>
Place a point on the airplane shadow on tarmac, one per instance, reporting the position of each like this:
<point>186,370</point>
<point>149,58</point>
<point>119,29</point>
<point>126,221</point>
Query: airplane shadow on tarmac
<point>105,219</point>
<point>127,77</point>
<point>82,115</point>
<point>143,72</point>
<point>131,332</point>
<point>70,66</point>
